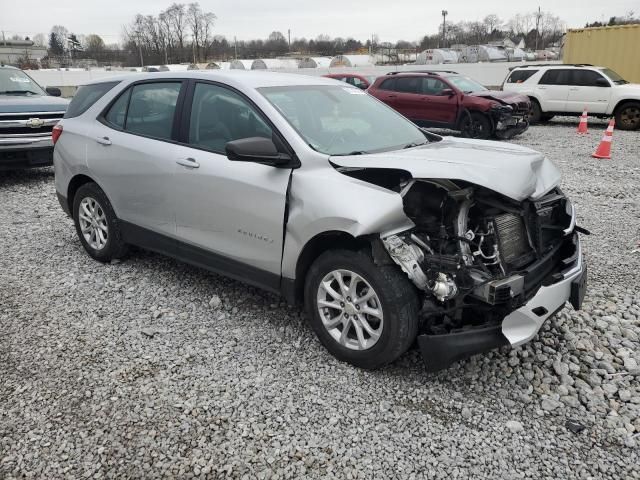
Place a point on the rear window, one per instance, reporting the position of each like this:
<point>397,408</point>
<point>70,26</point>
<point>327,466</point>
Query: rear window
<point>519,76</point>
<point>86,96</point>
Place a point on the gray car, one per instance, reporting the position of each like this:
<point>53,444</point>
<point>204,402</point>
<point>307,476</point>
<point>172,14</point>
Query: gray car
<point>388,234</point>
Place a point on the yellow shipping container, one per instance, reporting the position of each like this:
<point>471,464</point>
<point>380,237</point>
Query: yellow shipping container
<point>616,47</point>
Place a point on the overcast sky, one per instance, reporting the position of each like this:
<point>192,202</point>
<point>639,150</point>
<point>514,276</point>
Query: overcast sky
<point>391,21</point>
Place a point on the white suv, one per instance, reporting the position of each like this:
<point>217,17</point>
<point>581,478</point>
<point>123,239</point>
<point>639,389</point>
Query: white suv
<point>569,89</point>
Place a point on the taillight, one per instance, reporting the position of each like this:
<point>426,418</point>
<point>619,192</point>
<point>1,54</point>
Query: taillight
<point>55,133</point>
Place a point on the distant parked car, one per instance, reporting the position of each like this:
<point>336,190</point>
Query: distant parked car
<point>27,115</point>
<point>454,101</point>
<point>314,189</point>
<point>569,89</point>
<point>361,81</point>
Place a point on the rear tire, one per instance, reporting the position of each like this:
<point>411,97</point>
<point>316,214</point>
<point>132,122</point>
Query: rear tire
<point>628,116</point>
<point>476,125</point>
<point>390,312</point>
<point>96,224</point>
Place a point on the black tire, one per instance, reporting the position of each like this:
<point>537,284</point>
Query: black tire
<point>628,116</point>
<point>546,117</point>
<point>535,115</point>
<point>476,125</point>
<point>398,299</point>
<point>114,247</point>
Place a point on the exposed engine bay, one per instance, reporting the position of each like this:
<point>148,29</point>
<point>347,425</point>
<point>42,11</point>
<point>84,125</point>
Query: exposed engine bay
<point>476,254</point>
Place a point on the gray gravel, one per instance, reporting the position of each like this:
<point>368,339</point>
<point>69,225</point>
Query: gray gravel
<point>149,368</point>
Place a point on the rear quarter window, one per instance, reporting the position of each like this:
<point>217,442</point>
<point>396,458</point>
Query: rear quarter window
<point>86,96</point>
<point>519,76</point>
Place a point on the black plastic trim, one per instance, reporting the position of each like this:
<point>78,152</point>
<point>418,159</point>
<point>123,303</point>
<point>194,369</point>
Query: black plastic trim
<point>440,351</point>
<point>64,203</point>
<point>199,257</point>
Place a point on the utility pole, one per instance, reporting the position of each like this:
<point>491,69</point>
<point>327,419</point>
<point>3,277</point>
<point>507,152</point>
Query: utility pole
<point>289,32</point>
<point>538,16</point>
<point>444,27</point>
<point>235,47</point>
<point>140,49</point>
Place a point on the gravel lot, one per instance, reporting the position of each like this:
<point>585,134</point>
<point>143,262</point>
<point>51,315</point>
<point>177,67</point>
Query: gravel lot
<point>149,368</point>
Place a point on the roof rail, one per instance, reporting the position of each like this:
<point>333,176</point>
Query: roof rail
<point>552,65</point>
<point>431,72</point>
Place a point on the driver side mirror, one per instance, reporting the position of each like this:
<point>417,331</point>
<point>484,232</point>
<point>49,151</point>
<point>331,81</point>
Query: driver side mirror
<point>258,150</point>
<point>601,82</point>
<point>447,92</point>
<point>53,91</point>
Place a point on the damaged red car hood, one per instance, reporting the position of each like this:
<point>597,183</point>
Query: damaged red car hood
<point>500,96</point>
<point>511,170</point>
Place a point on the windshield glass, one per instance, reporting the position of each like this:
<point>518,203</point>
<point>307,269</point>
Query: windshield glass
<point>338,120</point>
<point>613,76</point>
<point>466,84</point>
<point>15,82</point>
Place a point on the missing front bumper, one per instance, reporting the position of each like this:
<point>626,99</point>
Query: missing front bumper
<point>517,328</point>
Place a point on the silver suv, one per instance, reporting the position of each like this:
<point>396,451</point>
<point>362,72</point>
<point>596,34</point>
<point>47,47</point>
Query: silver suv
<point>318,191</point>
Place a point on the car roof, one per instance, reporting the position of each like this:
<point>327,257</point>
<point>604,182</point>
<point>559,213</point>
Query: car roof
<point>238,78</point>
<point>556,65</point>
<point>8,67</point>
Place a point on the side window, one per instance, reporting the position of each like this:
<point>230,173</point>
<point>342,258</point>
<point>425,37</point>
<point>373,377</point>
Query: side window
<point>116,114</point>
<point>556,76</point>
<point>433,86</point>
<point>408,84</point>
<point>586,78</point>
<point>152,107</point>
<point>388,84</point>
<point>86,96</point>
<point>219,115</point>
<point>356,82</point>
<point>520,76</point>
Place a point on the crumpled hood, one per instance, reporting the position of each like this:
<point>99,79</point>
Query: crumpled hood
<point>516,172</point>
<point>32,103</point>
<point>506,98</point>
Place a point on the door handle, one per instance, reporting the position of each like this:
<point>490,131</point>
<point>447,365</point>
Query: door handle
<point>188,162</point>
<point>103,140</point>
<point>391,96</point>
<point>542,88</point>
<point>573,89</point>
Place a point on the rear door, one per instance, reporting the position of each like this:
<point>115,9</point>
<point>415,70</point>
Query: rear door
<point>386,92</point>
<point>586,92</point>
<point>553,89</point>
<point>229,214</point>
<point>132,153</point>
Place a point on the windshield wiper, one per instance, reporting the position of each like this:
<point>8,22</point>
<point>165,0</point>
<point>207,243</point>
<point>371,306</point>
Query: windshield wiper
<point>413,144</point>
<point>19,91</point>
<point>356,152</point>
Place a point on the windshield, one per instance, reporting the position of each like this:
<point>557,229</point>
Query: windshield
<point>338,120</point>
<point>613,76</point>
<point>466,84</point>
<point>15,82</point>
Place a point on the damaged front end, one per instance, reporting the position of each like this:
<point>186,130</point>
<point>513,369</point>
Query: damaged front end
<point>510,120</point>
<point>492,269</point>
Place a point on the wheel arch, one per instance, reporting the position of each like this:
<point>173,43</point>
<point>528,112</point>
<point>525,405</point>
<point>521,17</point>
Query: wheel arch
<point>623,102</point>
<point>74,184</point>
<point>293,290</point>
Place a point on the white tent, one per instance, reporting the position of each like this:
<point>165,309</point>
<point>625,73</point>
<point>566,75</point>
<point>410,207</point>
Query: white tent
<point>436,56</point>
<point>274,64</point>
<point>315,62</point>
<point>352,61</point>
<point>241,64</point>
<point>483,53</point>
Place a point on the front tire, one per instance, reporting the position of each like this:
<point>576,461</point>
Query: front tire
<point>476,125</point>
<point>628,116</point>
<point>364,314</point>
<point>96,224</point>
<point>535,115</point>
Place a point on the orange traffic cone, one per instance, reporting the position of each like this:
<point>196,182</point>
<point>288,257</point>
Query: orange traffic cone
<point>582,126</point>
<point>604,149</point>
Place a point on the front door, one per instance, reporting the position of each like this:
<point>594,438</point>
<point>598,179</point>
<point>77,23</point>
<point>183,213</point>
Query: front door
<point>590,90</point>
<point>434,106</point>
<point>229,211</point>
<point>132,157</point>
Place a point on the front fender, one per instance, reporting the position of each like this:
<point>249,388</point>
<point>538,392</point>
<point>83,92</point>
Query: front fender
<point>335,202</point>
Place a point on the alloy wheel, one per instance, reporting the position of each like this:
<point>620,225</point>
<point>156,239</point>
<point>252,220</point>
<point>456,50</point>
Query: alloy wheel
<point>630,117</point>
<point>93,223</point>
<point>350,310</point>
